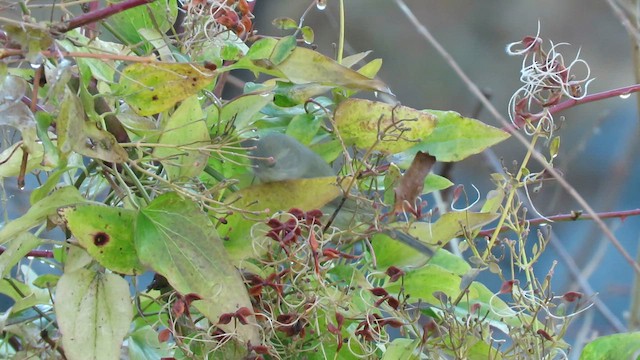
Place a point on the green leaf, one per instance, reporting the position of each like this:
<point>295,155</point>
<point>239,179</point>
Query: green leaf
<point>307,34</point>
<point>554,147</point>
<point>51,153</point>
<point>186,127</point>
<point>24,295</point>
<point>102,145</point>
<point>393,252</point>
<point>18,248</point>
<point>107,235</point>
<point>76,134</point>
<point>268,198</point>
<point>177,240</point>
<point>361,121</point>
<point>480,350</point>
<point>423,282</point>
<point>304,127</point>
<point>371,68</point>
<point>99,68</point>
<point>285,23</point>
<point>46,281</point>
<point>304,66</point>
<point>613,347</point>
<point>351,60</point>
<point>288,94</point>
<point>144,345</point>
<point>44,190</point>
<point>94,314</point>
<point>494,201</point>
<point>160,12</point>
<point>11,160</point>
<point>140,125</point>
<point>39,211</point>
<point>435,182</point>
<point>401,348</point>
<point>231,52</point>
<point>256,59</point>
<point>283,49</point>
<point>155,87</point>
<point>243,109</point>
<point>456,137</point>
<point>448,226</point>
<point>155,38</point>
<point>34,39</point>
<point>70,119</point>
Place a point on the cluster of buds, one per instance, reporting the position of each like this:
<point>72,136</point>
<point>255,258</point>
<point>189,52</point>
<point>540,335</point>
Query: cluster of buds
<point>547,79</point>
<point>235,15</point>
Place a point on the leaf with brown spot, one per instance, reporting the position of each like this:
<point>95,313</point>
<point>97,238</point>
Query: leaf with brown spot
<point>412,182</point>
<point>153,88</point>
<point>107,235</point>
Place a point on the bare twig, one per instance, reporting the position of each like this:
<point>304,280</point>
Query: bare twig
<point>421,29</point>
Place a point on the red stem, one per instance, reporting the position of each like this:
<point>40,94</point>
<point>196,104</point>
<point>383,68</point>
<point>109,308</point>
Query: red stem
<point>587,99</point>
<point>97,15</point>
<point>569,217</point>
<point>34,253</point>
<point>594,97</point>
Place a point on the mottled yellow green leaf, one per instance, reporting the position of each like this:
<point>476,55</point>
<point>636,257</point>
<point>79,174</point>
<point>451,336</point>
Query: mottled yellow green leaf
<point>94,314</point>
<point>77,134</point>
<point>152,88</point>
<point>456,137</point>
<point>361,122</point>
<point>307,66</point>
<point>107,235</point>
<point>268,198</point>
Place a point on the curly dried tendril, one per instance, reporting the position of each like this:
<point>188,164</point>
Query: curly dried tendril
<point>546,79</point>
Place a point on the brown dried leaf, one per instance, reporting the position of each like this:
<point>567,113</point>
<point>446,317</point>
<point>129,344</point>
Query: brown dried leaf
<point>412,182</point>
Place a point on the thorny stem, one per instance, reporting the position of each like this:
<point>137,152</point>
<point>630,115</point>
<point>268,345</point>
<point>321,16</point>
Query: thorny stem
<point>97,15</point>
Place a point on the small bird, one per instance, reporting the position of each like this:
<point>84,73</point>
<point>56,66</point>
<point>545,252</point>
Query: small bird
<point>279,157</point>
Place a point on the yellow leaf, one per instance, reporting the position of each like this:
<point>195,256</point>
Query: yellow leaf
<point>304,66</point>
<point>268,198</point>
<point>361,122</point>
<point>152,88</point>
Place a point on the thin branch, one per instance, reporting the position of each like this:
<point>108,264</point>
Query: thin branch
<point>574,216</point>
<point>47,254</point>
<point>97,15</point>
<point>421,29</point>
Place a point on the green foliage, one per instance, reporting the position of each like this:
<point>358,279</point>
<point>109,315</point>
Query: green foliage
<point>618,346</point>
<point>149,170</point>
